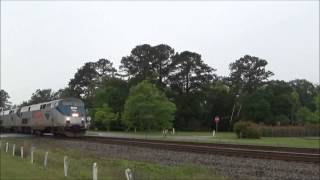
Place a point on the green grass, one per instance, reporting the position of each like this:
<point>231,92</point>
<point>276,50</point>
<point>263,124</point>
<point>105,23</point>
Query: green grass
<point>224,137</point>
<point>15,168</point>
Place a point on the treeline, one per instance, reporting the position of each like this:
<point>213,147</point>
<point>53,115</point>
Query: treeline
<point>156,87</point>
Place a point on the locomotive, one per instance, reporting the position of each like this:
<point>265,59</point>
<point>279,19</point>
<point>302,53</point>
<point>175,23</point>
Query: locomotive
<point>60,117</point>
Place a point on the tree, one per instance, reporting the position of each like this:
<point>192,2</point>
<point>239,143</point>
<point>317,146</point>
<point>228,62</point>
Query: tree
<point>4,99</point>
<point>162,60</point>
<point>215,100</point>
<point>248,73</point>
<point>64,93</point>
<point>138,65</point>
<point>89,76</point>
<point>317,104</point>
<point>148,62</point>
<point>103,117</point>
<point>281,98</point>
<point>148,108</point>
<point>113,92</point>
<point>258,107</point>
<point>189,72</point>
<point>83,82</point>
<point>304,115</point>
<point>41,96</point>
<point>306,91</point>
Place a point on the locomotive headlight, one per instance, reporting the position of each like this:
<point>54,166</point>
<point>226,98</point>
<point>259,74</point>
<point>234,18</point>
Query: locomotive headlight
<point>82,119</point>
<point>68,118</point>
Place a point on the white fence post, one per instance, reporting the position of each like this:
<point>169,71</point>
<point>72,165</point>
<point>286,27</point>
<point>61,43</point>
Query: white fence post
<point>31,157</point>
<point>65,166</point>
<point>7,144</point>
<point>13,149</point>
<point>21,152</point>
<point>128,174</point>
<point>94,171</point>
<point>45,160</point>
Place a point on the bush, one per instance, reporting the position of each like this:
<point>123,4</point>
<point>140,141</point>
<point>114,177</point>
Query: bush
<point>245,129</point>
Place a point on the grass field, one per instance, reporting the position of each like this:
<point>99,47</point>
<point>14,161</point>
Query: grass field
<point>221,137</point>
<point>15,168</point>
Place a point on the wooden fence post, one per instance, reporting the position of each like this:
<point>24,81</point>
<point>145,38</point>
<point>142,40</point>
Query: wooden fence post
<point>21,152</point>
<point>65,166</point>
<point>7,144</point>
<point>95,171</point>
<point>31,157</point>
<point>45,163</point>
<point>128,174</point>
<point>13,149</point>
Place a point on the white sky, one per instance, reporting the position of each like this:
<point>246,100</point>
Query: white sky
<point>44,43</point>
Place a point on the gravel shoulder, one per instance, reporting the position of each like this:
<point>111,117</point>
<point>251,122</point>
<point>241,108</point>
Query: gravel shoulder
<point>233,167</point>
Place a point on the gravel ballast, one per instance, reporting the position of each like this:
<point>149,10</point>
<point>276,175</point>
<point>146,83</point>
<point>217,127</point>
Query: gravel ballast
<point>232,167</point>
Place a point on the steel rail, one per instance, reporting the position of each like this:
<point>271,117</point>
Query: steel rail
<point>261,152</point>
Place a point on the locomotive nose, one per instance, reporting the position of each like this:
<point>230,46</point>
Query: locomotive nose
<point>74,120</point>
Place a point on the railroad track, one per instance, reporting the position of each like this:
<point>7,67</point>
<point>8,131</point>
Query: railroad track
<point>261,152</point>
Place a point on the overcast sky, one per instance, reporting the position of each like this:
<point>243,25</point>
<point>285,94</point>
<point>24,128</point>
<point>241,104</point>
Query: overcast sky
<point>44,43</point>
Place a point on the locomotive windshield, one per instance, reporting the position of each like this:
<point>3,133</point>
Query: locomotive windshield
<point>71,108</point>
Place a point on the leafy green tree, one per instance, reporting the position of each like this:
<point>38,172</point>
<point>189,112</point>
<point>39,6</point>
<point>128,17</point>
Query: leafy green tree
<point>189,73</point>
<point>41,95</point>
<point>275,102</point>
<point>83,82</point>
<point>162,60</point>
<point>148,62</point>
<point>317,104</point>
<point>258,107</point>
<point>306,91</point>
<point>4,99</point>
<point>216,100</point>
<point>248,73</point>
<point>188,76</point>
<point>304,115</point>
<point>138,65</point>
<point>148,108</point>
<point>104,69</point>
<point>295,102</point>
<point>113,92</point>
<point>89,76</point>
<point>63,93</point>
<point>103,117</point>
<point>281,98</point>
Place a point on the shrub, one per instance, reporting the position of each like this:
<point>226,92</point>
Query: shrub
<point>246,129</point>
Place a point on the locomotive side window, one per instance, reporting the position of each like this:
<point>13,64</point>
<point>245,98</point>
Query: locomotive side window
<point>29,108</point>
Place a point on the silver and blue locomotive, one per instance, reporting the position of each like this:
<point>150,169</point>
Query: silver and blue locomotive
<point>64,116</point>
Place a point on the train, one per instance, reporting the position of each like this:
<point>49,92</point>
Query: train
<point>60,117</point>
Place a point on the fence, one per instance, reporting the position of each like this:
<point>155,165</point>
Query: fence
<point>290,131</point>
<point>37,156</point>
